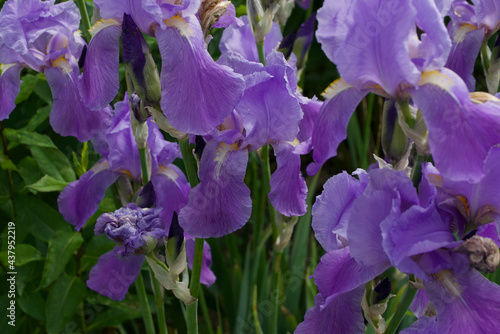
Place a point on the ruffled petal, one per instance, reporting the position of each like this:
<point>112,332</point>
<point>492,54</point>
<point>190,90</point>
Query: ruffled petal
<point>10,85</point>
<point>112,276</point>
<point>221,203</point>
<point>330,128</point>
<point>69,116</point>
<point>310,108</point>
<point>80,199</point>
<point>288,188</point>
<point>342,315</point>
<point>241,40</point>
<point>99,82</point>
<point>197,93</point>
<point>332,210</point>
<point>338,272</point>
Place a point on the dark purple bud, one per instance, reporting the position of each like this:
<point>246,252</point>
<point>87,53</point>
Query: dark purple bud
<point>175,237</point>
<point>200,145</point>
<point>81,61</point>
<point>286,45</point>
<point>138,108</point>
<point>382,290</point>
<point>147,197</point>
<point>394,141</point>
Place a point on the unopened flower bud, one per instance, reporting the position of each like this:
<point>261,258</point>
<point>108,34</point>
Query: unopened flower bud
<point>175,237</point>
<point>483,253</point>
<point>261,21</point>
<point>139,64</point>
<point>210,11</point>
<point>147,197</point>
<point>138,109</point>
<point>394,141</point>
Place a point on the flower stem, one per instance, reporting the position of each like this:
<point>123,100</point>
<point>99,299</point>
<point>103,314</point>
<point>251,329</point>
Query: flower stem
<point>194,288</point>
<point>262,54</point>
<point>402,309</point>
<point>158,291</point>
<point>143,301</point>
<point>144,166</point>
<point>85,18</point>
<point>267,187</point>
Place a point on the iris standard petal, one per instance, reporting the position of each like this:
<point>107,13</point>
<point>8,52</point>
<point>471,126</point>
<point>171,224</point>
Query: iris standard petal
<point>10,85</point>
<point>112,276</point>
<point>99,82</point>
<point>288,188</point>
<point>332,210</point>
<point>221,203</point>
<point>197,93</point>
<point>80,199</point>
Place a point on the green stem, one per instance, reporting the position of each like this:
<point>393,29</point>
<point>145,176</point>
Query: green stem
<point>158,291</point>
<point>267,187</point>
<point>192,309</point>
<point>258,328</point>
<point>402,309</point>
<point>416,173</point>
<point>262,54</point>
<point>9,173</point>
<point>143,301</point>
<point>204,311</point>
<point>144,166</point>
<point>85,18</point>
<point>276,285</point>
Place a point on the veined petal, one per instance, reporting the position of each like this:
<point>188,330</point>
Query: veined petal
<point>112,276</point>
<point>342,315</point>
<point>424,325</point>
<point>288,188</point>
<point>330,128</point>
<point>221,203</point>
<point>99,82</point>
<point>332,210</point>
<point>80,199</point>
<point>310,108</point>
<point>488,13</point>
<point>10,85</point>
<point>171,188</point>
<point>338,272</point>
<point>382,27</point>
<point>472,304</point>
<point>460,132</point>
<point>467,40</point>
<point>197,93</point>
<point>69,116</point>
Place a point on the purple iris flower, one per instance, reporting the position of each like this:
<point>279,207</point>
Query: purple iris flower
<point>401,65</point>
<point>378,221</point>
<point>44,36</point>
<point>268,113</point>
<point>197,94</point>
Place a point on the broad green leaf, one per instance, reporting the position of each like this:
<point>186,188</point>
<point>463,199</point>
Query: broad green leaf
<point>63,299</point>
<point>27,87</point>
<point>23,253</point>
<point>6,163</point>
<point>62,245</point>
<point>41,115</point>
<point>29,138</point>
<point>43,91</point>
<point>54,163</point>
<point>112,317</point>
<point>32,304</point>
<point>29,171</point>
<point>47,183</point>
<point>41,219</point>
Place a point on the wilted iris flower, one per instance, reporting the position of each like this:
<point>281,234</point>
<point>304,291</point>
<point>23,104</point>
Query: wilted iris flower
<point>197,94</point>
<point>44,36</point>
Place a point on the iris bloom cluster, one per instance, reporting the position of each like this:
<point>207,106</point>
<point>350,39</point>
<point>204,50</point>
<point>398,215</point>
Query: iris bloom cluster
<point>436,221</point>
